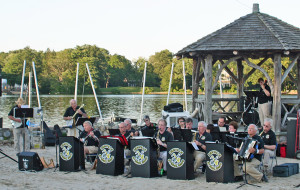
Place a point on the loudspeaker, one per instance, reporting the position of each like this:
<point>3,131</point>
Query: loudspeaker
<point>291,137</point>
<point>29,161</point>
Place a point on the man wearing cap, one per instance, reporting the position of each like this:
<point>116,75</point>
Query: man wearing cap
<point>20,129</point>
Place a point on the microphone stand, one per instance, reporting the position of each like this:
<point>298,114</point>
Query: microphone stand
<point>56,143</point>
<point>245,175</point>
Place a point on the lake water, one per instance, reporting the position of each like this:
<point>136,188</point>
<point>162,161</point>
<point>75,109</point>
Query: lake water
<point>128,106</point>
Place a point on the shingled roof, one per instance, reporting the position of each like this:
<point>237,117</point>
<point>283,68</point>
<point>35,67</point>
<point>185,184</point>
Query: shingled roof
<point>253,32</point>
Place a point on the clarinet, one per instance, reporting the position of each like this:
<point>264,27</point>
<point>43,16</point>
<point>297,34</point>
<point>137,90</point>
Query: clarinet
<point>158,146</point>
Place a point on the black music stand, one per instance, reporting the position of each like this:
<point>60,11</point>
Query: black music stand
<point>114,131</point>
<point>81,120</point>
<point>23,113</point>
<point>251,95</point>
<point>187,135</point>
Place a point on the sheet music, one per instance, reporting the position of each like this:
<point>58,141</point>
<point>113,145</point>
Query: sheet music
<point>195,146</point>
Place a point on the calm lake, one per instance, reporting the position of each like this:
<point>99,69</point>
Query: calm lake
<point>128,106</point>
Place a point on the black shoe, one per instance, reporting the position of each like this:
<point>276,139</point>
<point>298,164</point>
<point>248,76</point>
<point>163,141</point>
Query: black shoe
<point>264,178</point>
<point>238,178</point>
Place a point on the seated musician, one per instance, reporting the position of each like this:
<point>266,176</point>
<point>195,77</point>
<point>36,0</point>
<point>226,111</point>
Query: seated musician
<point>90,138</point>
<point>123,131</point>
<point>269,138</point>
<point>200,140</point>
<point>233,126</point>
<point>181,125</point>
<point>162,136</point>
<point>71,111</point>
<point>149,128</point>
<point>129,130</point>
<point>222,125</point>
<point>189,123</point>
<point>148,124</point>
<point>251,166</point>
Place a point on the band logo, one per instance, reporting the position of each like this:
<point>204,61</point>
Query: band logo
<point>66,154</point>
<point>213,163</point>
<point>139,158</point>
<point>106,157</point>
<point>176,161</point>
<point>25,163</point>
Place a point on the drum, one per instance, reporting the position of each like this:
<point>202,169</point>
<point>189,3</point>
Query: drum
<point>251,117</point>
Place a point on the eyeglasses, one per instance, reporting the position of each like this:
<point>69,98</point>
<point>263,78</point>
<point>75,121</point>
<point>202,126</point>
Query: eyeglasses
<point>181,121</point>
<point>146,120</point>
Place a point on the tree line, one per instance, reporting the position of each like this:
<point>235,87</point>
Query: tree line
<point>56,71</point>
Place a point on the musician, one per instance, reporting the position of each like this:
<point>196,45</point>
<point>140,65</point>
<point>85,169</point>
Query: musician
<point>251,167</point>
<point>123,132</point>
<point>263,100</point>
<point>71,111</point>
<point>149,128</point>
<point>269,138</point>
<point>90,138</point>
<point>129,130</point>
<point>162,136</point>
<point>233,126</point>
<point>200,141</point>
<point>222,124</point>
<point>181,125</point>
<point>20,129</point>
<point>189,123</point>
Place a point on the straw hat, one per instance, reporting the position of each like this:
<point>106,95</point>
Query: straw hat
<point>20,101</point>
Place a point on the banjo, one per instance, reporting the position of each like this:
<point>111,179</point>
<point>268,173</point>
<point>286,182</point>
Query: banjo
<point>71,121</point>
<point>16,124</point>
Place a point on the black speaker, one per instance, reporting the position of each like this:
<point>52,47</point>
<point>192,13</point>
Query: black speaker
<point>29,161</point>
<point>291,137</point>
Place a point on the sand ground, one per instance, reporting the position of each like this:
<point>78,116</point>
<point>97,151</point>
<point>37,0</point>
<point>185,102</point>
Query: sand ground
<point>12,178</point>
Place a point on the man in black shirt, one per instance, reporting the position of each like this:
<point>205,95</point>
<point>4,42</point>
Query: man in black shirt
<point>90,138</point>
<point>269,138</point>
<point>68,116</point>
<point>150,128</point>
<point>251,167</point>
<point>162,136</point>
<point>20,129</point>
<point>263,100</point>
<point>200,141</point>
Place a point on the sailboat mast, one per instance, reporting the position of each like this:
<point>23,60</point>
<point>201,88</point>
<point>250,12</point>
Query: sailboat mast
<point>170,83</point>
<point>144,81</point>
<point>23,77</point>
<point>76,82</point>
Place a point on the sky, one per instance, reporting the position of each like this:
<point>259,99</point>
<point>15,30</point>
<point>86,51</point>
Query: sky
<point>132,28</point>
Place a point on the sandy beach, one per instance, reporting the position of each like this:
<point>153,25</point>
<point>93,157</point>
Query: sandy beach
<point>12,178</point>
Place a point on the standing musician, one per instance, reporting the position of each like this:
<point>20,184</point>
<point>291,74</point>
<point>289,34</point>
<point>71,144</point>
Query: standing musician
<point>201,138</point>
<point>263,100</point>
<point>251,166</point>
<point>71,111</point>
<point>269,138</point>
<point>20,129</point>
<point>90,138</point>
<point>162,136</point>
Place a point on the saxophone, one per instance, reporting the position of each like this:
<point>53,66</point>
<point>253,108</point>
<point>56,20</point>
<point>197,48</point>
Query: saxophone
<point>158,146</point>
<point>159,163</point>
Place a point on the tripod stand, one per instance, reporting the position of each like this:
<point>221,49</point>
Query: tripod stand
<point>245,175</point>
<point>5,155</point>
<point>56,144</point>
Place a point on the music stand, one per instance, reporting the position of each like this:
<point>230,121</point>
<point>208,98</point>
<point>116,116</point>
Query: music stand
<point>114,131</point>
<point>23,113</point>
<point>251,95</point>
<point>187,135</point>
<point>81,120</point>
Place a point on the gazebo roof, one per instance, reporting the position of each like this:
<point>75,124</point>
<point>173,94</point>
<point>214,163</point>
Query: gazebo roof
<point>255,32</point>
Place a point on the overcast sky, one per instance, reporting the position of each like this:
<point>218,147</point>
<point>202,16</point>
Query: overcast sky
<point>132,28</point>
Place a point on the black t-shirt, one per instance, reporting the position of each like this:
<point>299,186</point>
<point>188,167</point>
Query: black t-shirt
<point>11,113</point>
<point>260,146</point>
<point>166,136</point>
<point>202,139</point>
<point>269,138</point>
<point>71,112</point>
<point>262,97</point>
<point>90,141</point>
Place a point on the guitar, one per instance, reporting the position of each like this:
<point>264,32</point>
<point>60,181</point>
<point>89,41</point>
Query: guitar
<point>72,121</point>
<point>16,124</point>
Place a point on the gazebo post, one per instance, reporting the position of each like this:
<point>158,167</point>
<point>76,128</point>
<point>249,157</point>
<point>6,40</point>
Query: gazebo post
<point>240,83</point>
<point>277,93</point>
<point>208,89</point>
<point>298,77</point>
<point>195,85</point>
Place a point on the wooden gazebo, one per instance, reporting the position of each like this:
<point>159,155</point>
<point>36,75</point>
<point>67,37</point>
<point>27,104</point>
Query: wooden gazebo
<point>255,36</point>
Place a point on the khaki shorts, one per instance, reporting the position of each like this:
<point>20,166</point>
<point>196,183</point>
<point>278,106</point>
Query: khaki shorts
<point>92,149</point>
